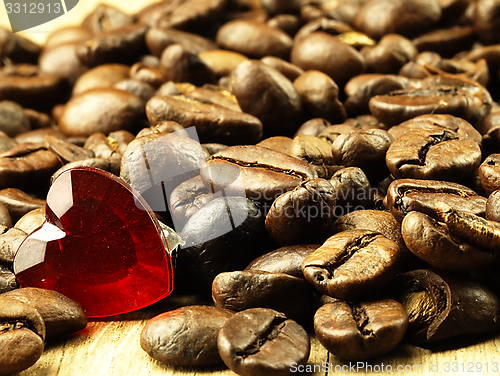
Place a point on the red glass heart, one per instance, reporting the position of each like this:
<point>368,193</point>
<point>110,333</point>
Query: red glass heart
<point>100,245</point>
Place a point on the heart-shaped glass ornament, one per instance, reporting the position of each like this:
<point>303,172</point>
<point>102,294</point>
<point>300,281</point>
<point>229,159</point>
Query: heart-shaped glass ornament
<point>100,245</point>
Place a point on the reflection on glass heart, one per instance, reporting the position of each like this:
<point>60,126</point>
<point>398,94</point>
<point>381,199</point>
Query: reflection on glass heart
<point>27,14</point>
<point>100,245</point>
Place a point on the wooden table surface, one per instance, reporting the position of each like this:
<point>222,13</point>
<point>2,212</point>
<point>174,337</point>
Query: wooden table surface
<point>111,347</point>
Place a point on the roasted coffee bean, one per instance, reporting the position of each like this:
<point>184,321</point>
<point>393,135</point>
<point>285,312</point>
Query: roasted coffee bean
<point>493,206</point>
<point>379,221</point>
<point>13,120</point>
<point>25,163</point>
<point>171,158</point>
<point>66,151</point>
<point>320,94</point>
<point>277,143</point>
<point>5,219</point>
<point>344,11</point>
<point>436,123</point>
<point>101,110</point>
<point>371,85</point>
<point>252,343</point>
<point>302,214</point>
<point>21,337</point>
<point>102,76</point>
<point>120,45</point>
<point>240,290</point>
<point>188,197</point>
<point>221,62</point>
<point>213,123</point>
<point>315,151</point>
<point>406,195</point>
<point>10,240</point>
<point>6,142</point>
<point>147,74</point>
<point>442,305</point>
<point>38,135</point>
<point>37,92</point>
<point>389,55</point>
<point>69,34</point>
<point>353,190</point>
<point>60,314</point>
<point>281,112</point>
<point>352,264</point>
<point>18,203</point>
<point>287,69</point>
<point>289,23</point>
<point>489,173</point>
<point>8,280</point>
<point>159,38</point>
<point>313,127</point>
<point>18,48</point>
<point>433,155</point>
<point>225,234</point>
<point>260,173</point>
<point>365,149</point>
<point>140,89</point>
<point>186,336</point>
<point>436,244</point>
<point>323,52</point>
<point>100,163</point>
<point>287,259</point>
<point>164,127</point>
<point>191,15</point>
<point>406,17</point>
<point>31,220</point>
<point>106,18</point>
<point>180,65</point>
<point>38,119</point>
<point>486,25</point>
<point>212,94</point>
<point>254,39</point>
<point>402,105</point>
<point>360,331</point>
<point>446,42</point>
<point>62,60</point>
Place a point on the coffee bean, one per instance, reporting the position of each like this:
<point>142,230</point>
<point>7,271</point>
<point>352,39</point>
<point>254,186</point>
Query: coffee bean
<point>302,214</point>
<point>353,190</point>
<point>102,76</point>
<point>101,110</point>
<point>140,89</point>
<point>433,155</point>
<point>360,331</point>
<point>185,336</point>
<point>261,174</point>
<point>252,342</point>
<point>323,52</point>
<point>281,112</point>
<point>106,18</point>
<point>21,337</point>
<point>147,74</point>
<point>446,42</point>
<point>287,69</point>
<point>406,195</point>
<point>433,242</point>
<point>221,62</point>
<point>254,39</point>
<point>60,314</point>
<point>159,38</point>
<point>313,127</point>
<point>315,151</point>
<point>289,23</point>
<point>390,54</point>
<point>69,34</point>
<point>442,305</point>
<point>213,123</point>
<point>10,240</point>
<point>188,197</point>
<point>62,60</point>
<point>13,119</point>
<point>8,280</point>
<point>352,264</point>
<point>287,259</point>
<point>18,48</point>
<point>493,206</point>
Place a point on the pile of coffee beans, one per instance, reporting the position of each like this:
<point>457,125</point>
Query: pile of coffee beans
<point>342,181</point>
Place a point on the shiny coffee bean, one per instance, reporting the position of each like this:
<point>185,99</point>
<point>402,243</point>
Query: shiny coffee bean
<point>277,143</point>
<point>69,34</point>
<point>10,240</point>
<point>302,214</point>
<point>323,52</point>
<point>315,151</point>
<point>313,127</point>
<point>159,38</point>
<point>139,88</point>
<point>13,120</point>
<point>101,110</point>
<point>406,195</point>
<point>5,219</point>
<point>281,112</point>
<point>102,76</point>
<point>186,336</point>
<point>360,331</point>
<point>221,62</point>
<point>390,54</point>
<point>489,173</point>
<point>493,206</point>
<point>22,336</point>
<point>8,280</point>
<point>353,190</point>
<point>188,197</point>
<point>240,290</point>
<point>260,173</point>
<point>62,60</point>
<point>251,343</point>
<point>287,69</point>
<point>213,123</point>
<point>443,305</point>
<point>31,220</point>
<point>254,39</point>
<point>433,155</point>
<point>433,242</point>
<point>320,94</point>
<point>446,42</point>
<point>60,314</point>
<point>352,264</point>
<point>287,259</point>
